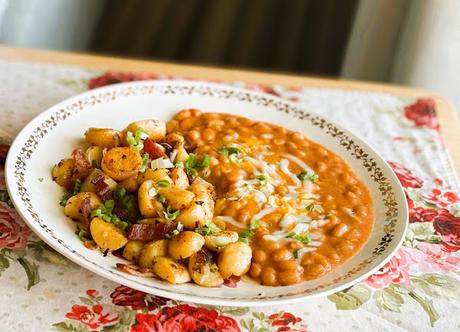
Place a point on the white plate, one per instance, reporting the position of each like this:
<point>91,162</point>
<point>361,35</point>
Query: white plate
<point>54,133</point>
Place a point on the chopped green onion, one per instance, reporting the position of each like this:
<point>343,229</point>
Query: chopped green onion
<point>313,177</point>
<point>314,207</point>
<point>119,192</point>
<point>163,183</point>
<point>179,164</point>
<point>296,253</point>
<point>145,162</point>
<point>81,233</point>
<point>95,164</point>
<point>76,189</point>
<point>303,237</point>
<point>248,233</point>
<point>208,228</point>
<point>192,164</point>
<point>161,199</point>
<point>170,214</point>
<point>135,140</point>
<point>231,152</point>
<point>105,212</point>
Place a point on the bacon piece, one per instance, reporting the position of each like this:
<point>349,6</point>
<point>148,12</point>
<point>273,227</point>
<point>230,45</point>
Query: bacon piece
<point>82,167</point>
<point>149,232</point>
<point>153,149</point>
<point>86,211</point>
<point>101,188</point>
<point>142,232</point>
<point>121,211</point>
<point>135,270</point>
<point>232,281</point>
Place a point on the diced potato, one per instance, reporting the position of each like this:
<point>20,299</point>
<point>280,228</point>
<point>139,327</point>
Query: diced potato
<point>103,137</point>
<point>204,271</point>
<point>148,204</point>
<point>185,244</point>
<point>193,216</point>
<point>176,197</point>
<point>133,249</point>
<point>175,139</point>
<point>73,207</point>
<point>217,241</point>
<point>121,163</point>
<point>152,251</point>
<point>94,155</point>
<point>155,128</point>
<point>62,173</point>
<point>106,235</point>
<point>130,184</point>
<point>88,186</point>
<point>171,271</point>
<point>180,178</point>
<point>182,154</point>
<point>234,259</point>
<point>155,175</point>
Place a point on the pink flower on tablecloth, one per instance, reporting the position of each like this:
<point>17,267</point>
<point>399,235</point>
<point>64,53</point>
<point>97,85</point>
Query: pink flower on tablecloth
<point>92,292</point>
<point>432,258</point>
<point>112,77</point>
<point>128,297</point>
<point>262,88</point>
<point>443,199</point>
<point>183,318</point>
<point>420,214</point>
<point>448,226</point>
<point>395,271</point>
<point>93,317</point>
<point>13,231</point>
<point>407,179</point>
<point>285,321</point>
<point>422,113</point>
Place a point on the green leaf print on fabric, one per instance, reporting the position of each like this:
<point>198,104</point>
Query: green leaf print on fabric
<point>388,299</point>
<point>31,269</point>
<point>437,285</point>
<point>70,326</point>
<point>351,298</point>
<point>4,263</point>
<point>421,232</point>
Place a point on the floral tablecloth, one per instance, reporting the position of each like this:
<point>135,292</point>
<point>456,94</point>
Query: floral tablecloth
<point>418,290</point>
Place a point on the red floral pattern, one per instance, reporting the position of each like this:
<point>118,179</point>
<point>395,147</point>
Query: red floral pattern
<point>128,297</point>
<point>422,113</point>
<point>93,317</point>
<point>13,232</point>
<point>111,77</point>
<point>285,322</point>
<point>407,179</point>
<point>395,271</point>
<point>184,318</point>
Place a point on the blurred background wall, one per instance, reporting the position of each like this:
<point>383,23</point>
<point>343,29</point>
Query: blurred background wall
<point>413,42</point>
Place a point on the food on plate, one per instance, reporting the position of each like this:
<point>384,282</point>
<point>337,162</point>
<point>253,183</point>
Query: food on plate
<point>211,197</point>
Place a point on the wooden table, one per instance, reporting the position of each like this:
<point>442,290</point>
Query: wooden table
<point>450,124</point>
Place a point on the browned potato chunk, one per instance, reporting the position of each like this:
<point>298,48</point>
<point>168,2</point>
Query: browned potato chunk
<point>203,270</point>
<point>179,177</point>
<point>73,207</point>
<point>176,197</point>
<point>147,200</point>
<point>94,155</point>
<point>121,163</point>
<point>155,128</point>
<point>152,251</point>
<point>234,259</point>
<point>185,244</point>
<point>132,250</point>
<point>175,139</point>
<point>107,235</point>
<point>219,240</point>
<point>62,173</point>
<point>171,271</point>
<point>88,186</point>
<point>130,184</point>
<point>103,137</point>
<point>155,175</point>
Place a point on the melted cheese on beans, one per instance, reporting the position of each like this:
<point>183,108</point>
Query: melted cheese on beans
<point>302,227</point>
